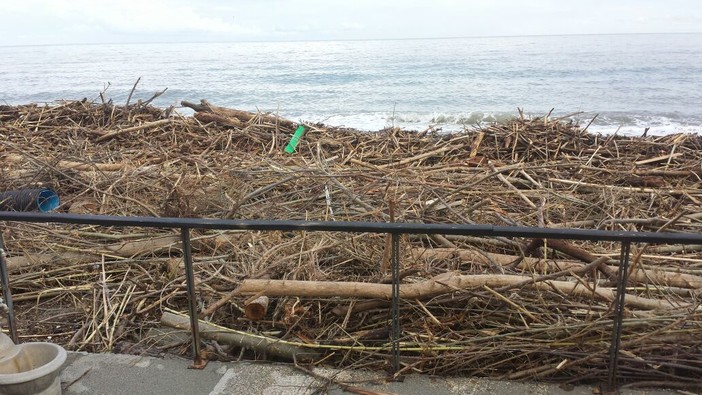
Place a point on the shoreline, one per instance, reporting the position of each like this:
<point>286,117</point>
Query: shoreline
<point>628,81</point>
<point>596,122</point>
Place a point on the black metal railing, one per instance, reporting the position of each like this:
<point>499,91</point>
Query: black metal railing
<point>395,229</point>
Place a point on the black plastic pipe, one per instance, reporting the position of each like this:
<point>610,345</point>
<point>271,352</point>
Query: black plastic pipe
<point>42,199</point>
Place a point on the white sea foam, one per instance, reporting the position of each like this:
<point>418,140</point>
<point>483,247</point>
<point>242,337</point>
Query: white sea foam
<point>630,124</point>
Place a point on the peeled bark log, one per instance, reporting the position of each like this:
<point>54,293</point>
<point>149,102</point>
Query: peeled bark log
<point>651,276</point>
<point>444,283</point>
<point>129,249</point>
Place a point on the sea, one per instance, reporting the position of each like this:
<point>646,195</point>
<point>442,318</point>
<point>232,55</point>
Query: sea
<point>629,84</point>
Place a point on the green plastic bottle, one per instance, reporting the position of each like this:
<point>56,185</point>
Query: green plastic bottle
<point>290,148</point>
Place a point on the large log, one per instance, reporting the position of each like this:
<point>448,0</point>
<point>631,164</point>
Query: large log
<point>207,117</point>
<point>243,116</point>
<point>128,249</point>
<point>442,284</point>
<point>649,276</point>
<point>262,344</point>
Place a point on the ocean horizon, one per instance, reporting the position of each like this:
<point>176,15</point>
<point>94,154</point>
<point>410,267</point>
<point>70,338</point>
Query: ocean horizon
<point>631,82</point>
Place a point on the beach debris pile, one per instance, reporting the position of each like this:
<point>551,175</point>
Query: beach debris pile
<point>515,308</point>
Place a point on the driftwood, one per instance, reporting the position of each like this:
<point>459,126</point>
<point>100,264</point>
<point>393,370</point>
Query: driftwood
<point>136,128</point>
<point>501,311</point>
<point>261,344</point>
<point>220,119</point>
<point>231,117</point>
<point>579,253</point>
<point>256,308</point>
<point>129,249</point>
<point>73,165</point>
<point>444,283</point>
<point>650,276</point>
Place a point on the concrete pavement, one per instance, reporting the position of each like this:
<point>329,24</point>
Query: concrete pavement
<point>117,374</point>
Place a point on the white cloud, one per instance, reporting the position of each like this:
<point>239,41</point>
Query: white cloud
<point>80,21</point>
<point>151,17</point>
<point>112,20</point>
<point>348,26</point>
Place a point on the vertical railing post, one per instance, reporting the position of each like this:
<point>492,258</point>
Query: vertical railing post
<point>618,314</point>
<point>395,306</point>
<point>198,361</point>
<point>6,293</point>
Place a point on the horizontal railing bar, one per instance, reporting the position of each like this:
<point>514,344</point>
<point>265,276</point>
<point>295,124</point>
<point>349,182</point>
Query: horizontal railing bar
<point>346,226</point>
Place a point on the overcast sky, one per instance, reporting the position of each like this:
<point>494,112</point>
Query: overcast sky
<point>24,22</point>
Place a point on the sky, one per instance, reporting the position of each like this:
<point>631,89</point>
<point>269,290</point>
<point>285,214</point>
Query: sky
<point>38,22</point>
